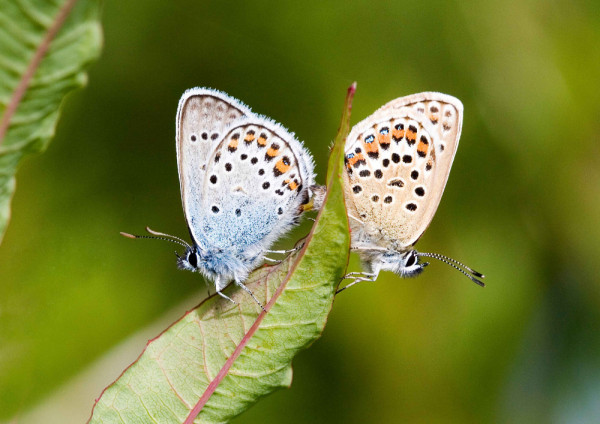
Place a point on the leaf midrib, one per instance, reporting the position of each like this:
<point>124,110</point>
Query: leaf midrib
<point>34,64</point>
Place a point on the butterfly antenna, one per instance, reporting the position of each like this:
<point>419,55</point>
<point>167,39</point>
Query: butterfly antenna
<point>158,236</point>
<point>453,263</point>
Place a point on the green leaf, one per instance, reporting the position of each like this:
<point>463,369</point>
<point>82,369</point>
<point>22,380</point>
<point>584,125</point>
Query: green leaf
<point>45,47</point>
<point>220,358</point>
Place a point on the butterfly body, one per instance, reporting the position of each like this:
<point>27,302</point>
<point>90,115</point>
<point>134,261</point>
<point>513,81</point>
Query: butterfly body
<point>397,163</point>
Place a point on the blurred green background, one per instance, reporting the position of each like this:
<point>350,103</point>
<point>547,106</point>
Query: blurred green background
<point>521,205</point>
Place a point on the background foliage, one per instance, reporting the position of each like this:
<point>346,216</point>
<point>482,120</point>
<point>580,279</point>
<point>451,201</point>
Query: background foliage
<point>521,205</point>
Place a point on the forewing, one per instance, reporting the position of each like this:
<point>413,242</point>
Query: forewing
<point>257,179</point>
<point>397,165</point>
<point>203,116</point>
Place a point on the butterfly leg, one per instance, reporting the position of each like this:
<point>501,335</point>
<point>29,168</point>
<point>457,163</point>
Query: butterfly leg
<point>275,261</point>
<point>220,285</point>
<point>251,294</point>
<point>224,296</point>
<point>358,277</point>
<point>283,252</point>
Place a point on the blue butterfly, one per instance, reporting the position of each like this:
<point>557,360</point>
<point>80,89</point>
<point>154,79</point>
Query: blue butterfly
<point>244,181</point>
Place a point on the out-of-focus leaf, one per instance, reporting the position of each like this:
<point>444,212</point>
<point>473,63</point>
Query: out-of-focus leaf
<point>220,358</point>
<point>45,47</point>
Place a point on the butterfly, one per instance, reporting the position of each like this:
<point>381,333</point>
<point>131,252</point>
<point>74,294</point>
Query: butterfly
<point>397,163</point>
<point>244,180</point>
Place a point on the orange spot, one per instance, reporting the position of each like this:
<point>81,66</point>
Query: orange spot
<point>293,185</point>
<point>249,138</point>
<point>422,148</point>
<point>398,134</point>
<point>371,147</point>
<point>262,142</point>
<point>272,152</point>
<point>281,166</point>
<point>411,135</point>
<point>358,157</point>
<point>383,138</point>
<point>233,144</point>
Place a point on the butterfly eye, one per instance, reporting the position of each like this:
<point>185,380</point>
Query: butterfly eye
<point>412,259</point>
<point>193,259</point>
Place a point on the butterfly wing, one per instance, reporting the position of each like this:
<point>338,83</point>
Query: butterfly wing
<point>397,165</point>
<point>203,115</point>
<point>256,181</point>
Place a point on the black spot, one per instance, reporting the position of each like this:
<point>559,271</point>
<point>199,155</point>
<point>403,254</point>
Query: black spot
<point>244,157</point>
<point>279,211</point>
<point>286,160</point>
<point>420,191</point>
<point>280,192</point>
<point>299,189</point>
<point>364,173</point>
<point>217,157</point>
<point>387,199</point>
<point>193,138</point>
<point>428,166</point>
<point>378,173</point>
<point>373,155</point>
<point>395,158</point>
<point>214,136</point>
<point>215,209</point>
<point>253,161</point>
<point>411,207</point>
<point>358,150</point>
<point>266,185</point>
<point>359,163</point>
<point>261,172</point>
<point>424,140</point>
<point>407,158</point>
<point>357,189</point>
<point>275,146</point>
<point>228,167</point>
<point>414,175</point>
<point>396,183</point>
<point>213,179</point>
<point>369,139</point>
<point>238,212</point>
<point>204,136</point>
<point>386,163</point>
<point>433,109</point>
<point>384,130</point>
<point>231,148</point>
<point>375,198</point>
<point>442,147</point>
